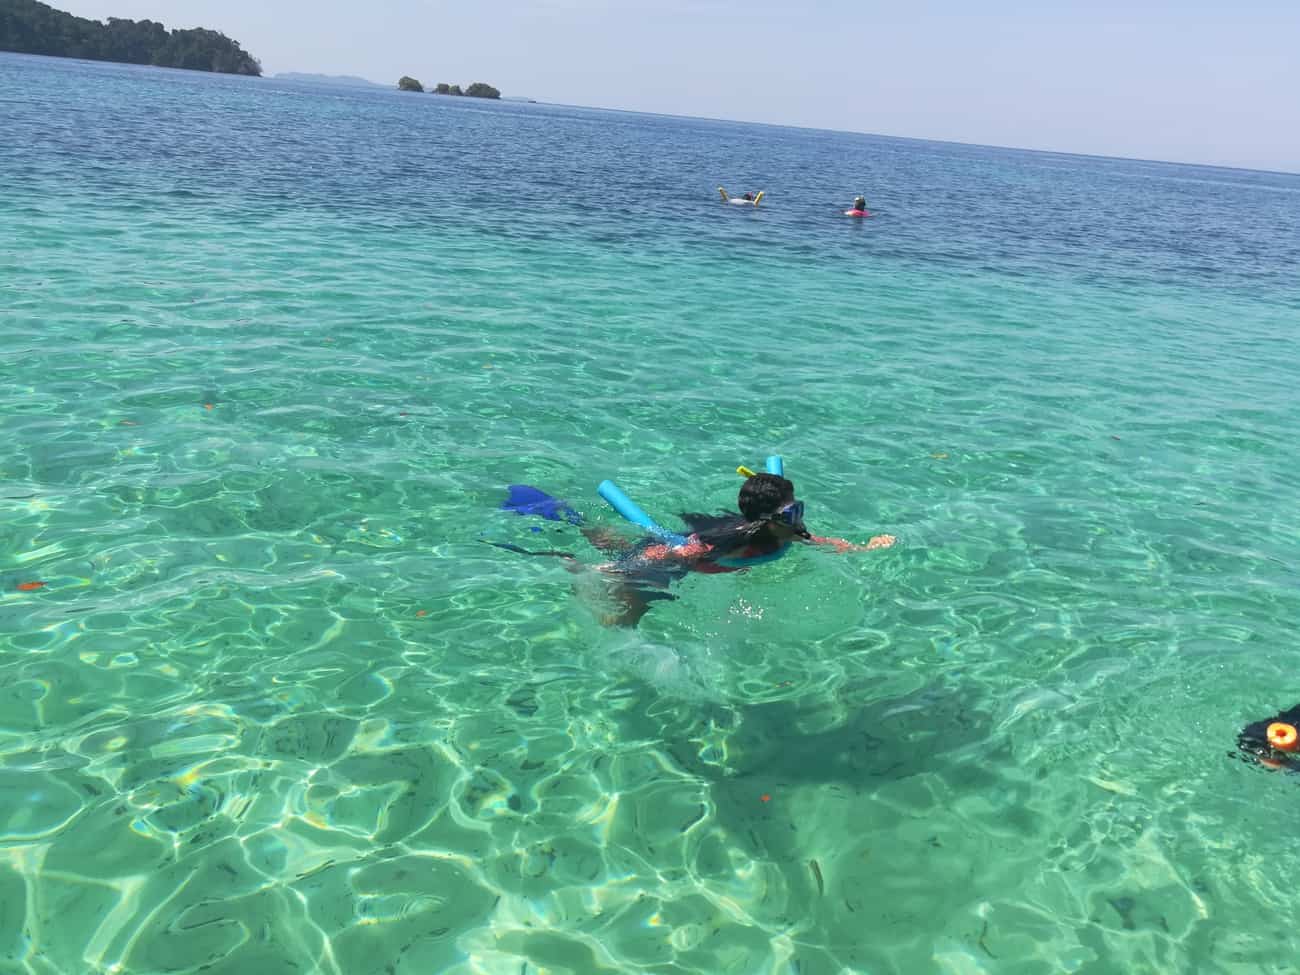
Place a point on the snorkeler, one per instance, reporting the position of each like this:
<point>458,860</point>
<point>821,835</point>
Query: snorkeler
<point>769,523</point>
<point>748,199</point>
<point>859,208</point>
<point>1274,742</point>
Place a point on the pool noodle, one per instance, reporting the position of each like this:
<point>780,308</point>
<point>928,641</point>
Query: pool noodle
<point>626,507</point>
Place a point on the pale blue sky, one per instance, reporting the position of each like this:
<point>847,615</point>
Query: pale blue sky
<point>1190,81</point>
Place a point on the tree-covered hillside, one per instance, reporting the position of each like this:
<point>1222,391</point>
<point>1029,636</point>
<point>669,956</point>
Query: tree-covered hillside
<point>30,27</point>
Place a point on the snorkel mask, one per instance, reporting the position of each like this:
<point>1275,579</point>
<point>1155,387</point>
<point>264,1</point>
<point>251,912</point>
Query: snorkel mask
<point>791,515</point>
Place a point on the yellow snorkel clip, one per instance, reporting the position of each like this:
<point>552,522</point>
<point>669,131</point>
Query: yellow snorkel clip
<point>744,471</point>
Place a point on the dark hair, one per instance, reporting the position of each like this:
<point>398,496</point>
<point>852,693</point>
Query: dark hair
<point>764,494</point>
<point>760,495</point>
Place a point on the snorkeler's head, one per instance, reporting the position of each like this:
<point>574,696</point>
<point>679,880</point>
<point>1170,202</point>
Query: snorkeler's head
<point>768,513</point>
<point>859,203</point>
<point>763,495</point>
<point>769,499</point>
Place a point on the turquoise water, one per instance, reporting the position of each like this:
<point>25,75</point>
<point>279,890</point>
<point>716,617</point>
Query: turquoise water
<point>271,353</point>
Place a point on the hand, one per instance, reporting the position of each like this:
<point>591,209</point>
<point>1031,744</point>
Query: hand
<point>881,541</point>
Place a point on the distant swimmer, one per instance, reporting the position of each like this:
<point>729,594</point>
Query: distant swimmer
<point>748,200</point>
<point>859,208</point>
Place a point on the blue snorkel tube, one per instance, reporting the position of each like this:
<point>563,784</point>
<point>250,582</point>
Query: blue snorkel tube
<point>776,466</point>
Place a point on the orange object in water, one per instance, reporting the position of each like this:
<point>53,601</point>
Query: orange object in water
<point>1283,736</point>
<point>30,586</point>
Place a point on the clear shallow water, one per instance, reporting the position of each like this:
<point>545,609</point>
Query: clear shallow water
<point>271,353</point>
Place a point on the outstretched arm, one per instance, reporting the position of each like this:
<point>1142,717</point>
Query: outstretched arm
<point>843,545</point>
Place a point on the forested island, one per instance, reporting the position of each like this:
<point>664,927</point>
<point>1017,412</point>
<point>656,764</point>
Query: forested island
<point>30,27</point>
<point>477,90</point>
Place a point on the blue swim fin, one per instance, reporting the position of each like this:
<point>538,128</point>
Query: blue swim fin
<point>525,500</point>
